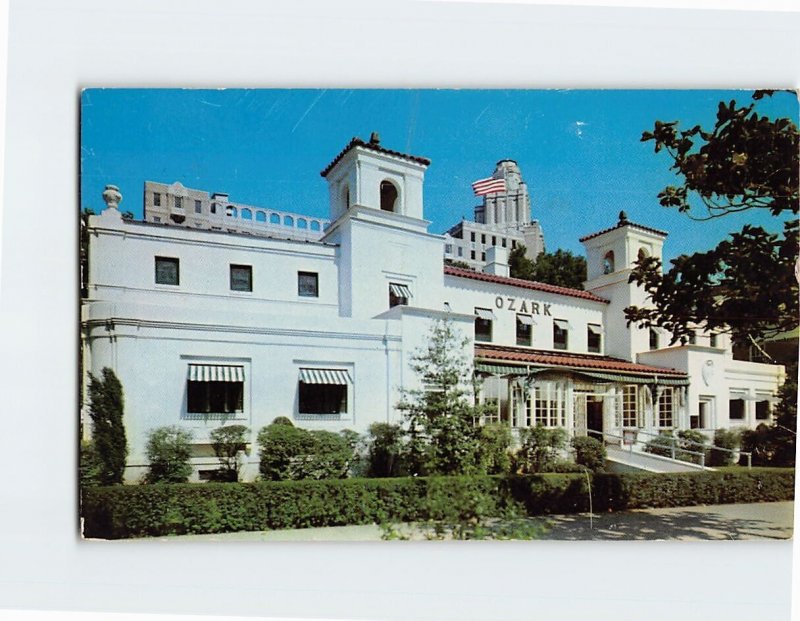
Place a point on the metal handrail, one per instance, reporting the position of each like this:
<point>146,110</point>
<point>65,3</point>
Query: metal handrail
<point>674,445</point>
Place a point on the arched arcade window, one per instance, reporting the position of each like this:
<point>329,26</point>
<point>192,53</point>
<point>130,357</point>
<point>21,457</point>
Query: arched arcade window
<point>388,196</point>
<point>274,218</point>
<point>247,214</point>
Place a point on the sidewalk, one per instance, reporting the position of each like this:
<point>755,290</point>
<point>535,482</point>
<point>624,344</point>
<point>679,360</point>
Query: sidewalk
<point>767,520</point>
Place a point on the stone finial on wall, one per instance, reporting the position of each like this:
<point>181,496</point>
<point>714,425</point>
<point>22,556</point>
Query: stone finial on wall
<point>112,197</point>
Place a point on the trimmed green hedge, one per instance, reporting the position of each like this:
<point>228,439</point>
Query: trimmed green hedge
<point>157,510</point>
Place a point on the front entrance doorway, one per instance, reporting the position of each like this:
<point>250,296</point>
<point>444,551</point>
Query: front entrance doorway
<point>594,416</point>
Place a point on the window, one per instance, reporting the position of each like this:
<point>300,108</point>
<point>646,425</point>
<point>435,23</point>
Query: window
<point>398,294</point>
<point>472,254</point>
<point>198,206</point>
<point>653,339</point>
<point>491,413</point>
<point>762,410</point>
<point>483,239</point>
<point>448,248</point>
<point>215,389</point>
<point>167,271</point>
<point>213,208</point>
<point>156,219</point>
<point>629,411</point>
<point>560,334</point>
<point>713,339</point>
<point>308,284</point>
<point>460,251</point>
<point>494,240</point>
<point>524,330</point>
<point>388,196</point>
<point>594,336</point>
<point>323,391</point>
<point>548,409</point>
<point>472,236</point>
<point>483,325</point>
<point>241,278</point>
<point>156,199</point>
<point>483,256</point>
<point>736,408</point>
<point>608,262</point>
<point>503,242</point>
<point>665,404</point>
<point>692,339</point>
<point>178,202</point>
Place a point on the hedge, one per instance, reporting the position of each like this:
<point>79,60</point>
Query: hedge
<point>174,509</point>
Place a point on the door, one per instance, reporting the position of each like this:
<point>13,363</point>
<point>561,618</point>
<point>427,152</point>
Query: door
<point>594,416</point>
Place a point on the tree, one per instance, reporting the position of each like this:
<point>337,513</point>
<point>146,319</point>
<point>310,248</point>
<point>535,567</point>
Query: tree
<point>745,162</point>
<point>561,268</point>
<point>440,415</point>
<point>107,404</point>
<point>229,443</point>
<point>168,451</point>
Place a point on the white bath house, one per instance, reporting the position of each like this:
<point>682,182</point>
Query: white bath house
<point>209,322</point>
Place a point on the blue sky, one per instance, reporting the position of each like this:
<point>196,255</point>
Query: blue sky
<point>579,151</point>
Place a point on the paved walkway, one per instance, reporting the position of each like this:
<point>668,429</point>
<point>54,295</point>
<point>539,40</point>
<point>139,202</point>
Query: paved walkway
<point>767,520</point>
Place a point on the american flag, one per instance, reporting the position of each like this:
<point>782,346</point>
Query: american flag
<point>488,186</point>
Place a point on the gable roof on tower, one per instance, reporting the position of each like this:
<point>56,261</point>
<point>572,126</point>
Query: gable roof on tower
<point>623,221</point>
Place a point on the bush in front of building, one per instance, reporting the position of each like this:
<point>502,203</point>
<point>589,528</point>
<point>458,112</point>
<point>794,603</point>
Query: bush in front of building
<point>106,408</point>
<point>728,439</point>
<point>691,446</point>
<point>660,445</point>
<point>589,452</point>
<point>229,442</point>
<point>90,467</point>
<point>540,449</point>
<point>290,453</point>
<point>385,452</point>
<point>494,443</point>
<point>169,450</point>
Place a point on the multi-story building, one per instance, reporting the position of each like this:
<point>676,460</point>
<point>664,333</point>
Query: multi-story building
<point>502,220</point>
<point>210,324</point>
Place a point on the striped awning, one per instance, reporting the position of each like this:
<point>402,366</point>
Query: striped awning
<point>632,379</point>
<point>526,320</point>
<point>562,323</point>
<point>325,376</point>
<point>500,369</point>
<point>485,313</point>
<point>594,329</point>
<point>400,291</point>
<point>215,373</point>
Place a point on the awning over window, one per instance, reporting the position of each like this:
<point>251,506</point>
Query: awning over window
<point>630,379</point>
<point>401,291</point>
<point>595,329</point>
<point>562,323</point>
<point>325,376</point>
<point>526,320</point>
<point>498,369</point>
<point>485,313</point>
<point>215,373</point>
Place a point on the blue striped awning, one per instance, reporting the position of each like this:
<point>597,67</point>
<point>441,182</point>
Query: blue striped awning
<point>215,373</point>
<point>338,377</point>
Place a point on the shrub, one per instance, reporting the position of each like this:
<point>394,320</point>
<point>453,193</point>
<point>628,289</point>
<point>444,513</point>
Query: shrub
<point>384,455</point>
<point>660,445</point>
<point>283,420</point>
<point>540,449</point>
<point>228,443</point>
<point>357,463</point>
<point>688,441</point>
<point>107,404</point>
<point>494,442</point>
<point>726,439</point>
<point>761,443</point>
<point>589,452</point>
<point>288,452</point>
<point>168,451</point>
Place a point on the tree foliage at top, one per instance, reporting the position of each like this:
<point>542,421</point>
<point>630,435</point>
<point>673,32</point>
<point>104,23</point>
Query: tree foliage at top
<point>561,268</point>
<point>109,446</point>
<point>746,284</point>
<point>443,438</point>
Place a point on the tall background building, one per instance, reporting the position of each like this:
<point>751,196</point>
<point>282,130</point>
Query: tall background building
<point>503,220</point>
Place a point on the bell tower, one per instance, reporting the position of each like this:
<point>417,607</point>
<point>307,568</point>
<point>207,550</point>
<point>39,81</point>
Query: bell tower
<point>610,257</point>
<point>369,175</point>
<point>377,223</point>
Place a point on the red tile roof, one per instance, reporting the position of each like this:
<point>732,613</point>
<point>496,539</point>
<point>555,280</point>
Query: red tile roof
<point>525,284</point>
<point>566,359</point>
<point>620,224</point>
<point>373,146</point>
